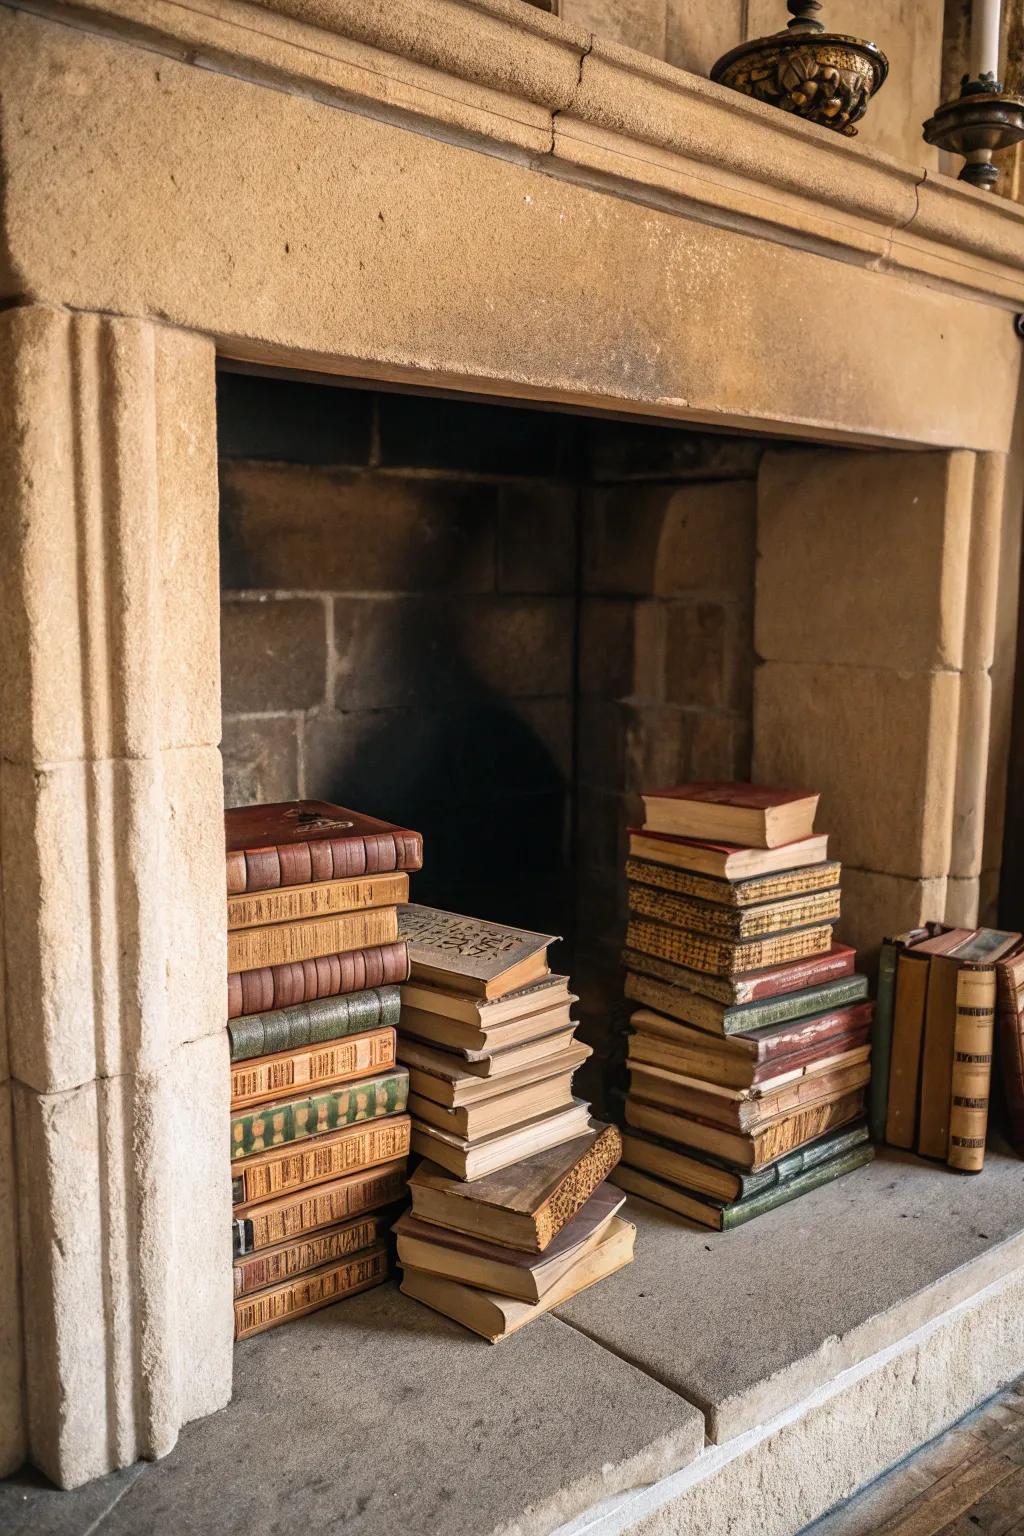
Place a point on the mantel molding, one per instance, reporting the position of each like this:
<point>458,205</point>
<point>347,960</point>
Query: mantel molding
<point>514,81</point>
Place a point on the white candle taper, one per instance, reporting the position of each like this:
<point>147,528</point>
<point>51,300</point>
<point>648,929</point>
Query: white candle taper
<point>986,17</point>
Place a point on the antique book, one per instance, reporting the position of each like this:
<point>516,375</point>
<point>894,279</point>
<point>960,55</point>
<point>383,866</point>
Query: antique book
<point>284,986</point>
<point>484,1046</point>
<point>1010,1043</point>
<point>268,1223</point>
<point>274,1124</point>
<point>451,1087</point>
<point>284,1170</point>
<point>724,957</point>
<point>467,954</point>
<point>784,886</point>
<point>707,1175</point>
<point>251,949</point>
<point>307,1293</point>
<point>733,923</point>
<point>723,1218</point>
<point>293,903</point>
<point>314,1023</point>
<point>725,861</point>
<point>979,951</point>
<point>710,1016</point>
<point>318,1066</point>
<point>493,1116</point>
<point>784,1052</point>
<point>274,1266</point>
<point>747,1110</point>
<point>755,1149</point>
<point>910,997</point>
<point>300,842</point>
<point>881,1051</point>
<point>489,1267</point>
<point>482,1014</point>
<point>752,815</point>
<point>971,1081</point>
<point>754,986</point>
<point>469,1159</point>
<point>494,1317</point>
<point>524,1206</point>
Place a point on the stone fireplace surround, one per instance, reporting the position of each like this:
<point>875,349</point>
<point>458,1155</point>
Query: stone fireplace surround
<point>478,197</point>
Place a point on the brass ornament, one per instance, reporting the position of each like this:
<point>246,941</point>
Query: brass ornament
<point>978,123</point>
<point>823,77</point>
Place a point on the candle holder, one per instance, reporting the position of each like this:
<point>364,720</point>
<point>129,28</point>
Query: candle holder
<point>823,77</point>
<point>977,124</point>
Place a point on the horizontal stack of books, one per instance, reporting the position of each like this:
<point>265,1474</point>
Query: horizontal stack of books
<point>510,1214</point>
<point>750,1055</point>
<point>319,1137</point>
<point>937,1005</point>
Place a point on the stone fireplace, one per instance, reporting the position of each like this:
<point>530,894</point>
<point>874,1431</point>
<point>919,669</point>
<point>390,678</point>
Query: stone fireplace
<point>723,330</point>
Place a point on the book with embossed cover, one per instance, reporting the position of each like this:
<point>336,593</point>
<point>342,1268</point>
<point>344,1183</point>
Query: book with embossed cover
<point>303,981</point>
<point>297,842</point>
<point>470,955</point>
<point>267,1223</point>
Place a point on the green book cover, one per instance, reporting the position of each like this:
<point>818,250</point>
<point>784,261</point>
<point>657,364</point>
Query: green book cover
<point>273,1125</point>
<point>814,1177</point>
<point>881,1040</point>
<point>314,1023</point>
<point>794,1005</point>
<point>833,1144</point>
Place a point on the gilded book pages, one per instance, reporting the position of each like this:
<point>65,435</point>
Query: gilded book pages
<point>972,1068</point>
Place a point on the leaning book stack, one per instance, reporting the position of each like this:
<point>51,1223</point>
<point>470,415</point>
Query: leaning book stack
<point>319,1134</point>
<point>511,1214</point>
<point>749,1052</point>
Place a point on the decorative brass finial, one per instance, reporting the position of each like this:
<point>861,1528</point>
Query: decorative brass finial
<point>823,77</point>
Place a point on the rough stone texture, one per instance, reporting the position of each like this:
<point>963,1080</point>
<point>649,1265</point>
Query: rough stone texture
<point>537,538</point>
<point>273,653</point>
<point>925,1241</point>
<point>12,1417</point>
<point>697,35</point>
<point>972,770</point>
<point>261,759</point>
<point>668,540</point>
<point>637,24</point>
<point>876,905</point>
<point>863,558</point>
<point>881,747</point>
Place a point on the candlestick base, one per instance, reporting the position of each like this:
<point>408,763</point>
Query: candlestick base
<point>980,122</point>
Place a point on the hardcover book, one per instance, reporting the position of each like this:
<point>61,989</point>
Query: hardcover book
<point>294,903</point>
<point>497,1115</point>
<point>524,1206</point>
<point>300,842</point>
<point>286,1169</point>
<point>1010,1043</point>
<point>488,1050</point>
<point>482,1014</point>
<point>755,1149</point>
<point>786,1051</point>
<point>284,986</point>
<point>911,995</point>
<point>881,1052</point>
<point>255,1314</point>
<point>467,954</point>
<point>252,949</point>
<point>708,1016</point>
<point>735,893</point>
<point>275,1266</point>
<point>747,1110</point>
<point>714,1179</point>
<point>274,1125</point>
<point>315,1023</point>
<point>723,957</point>
<point>752,987</point>
<point>725,861</point>
<point>734,923</point>
<point>267,1223</point>
<point>447,1085</point>
<point>751,815</point>
<point>320,1066</point>
<point>473,1159</point>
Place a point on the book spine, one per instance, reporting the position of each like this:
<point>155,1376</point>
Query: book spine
<point>838,1030</point>
<point>790,978</point>
<point>733,923</point>
<point>291,943</point>
<point>825,998</point>
<point>815,1152</point>
<point>323,858</point>
<point>269,1077</point>
<point>718,957</point>
<point>315,1023</point>
<point>823,1173</point>
<point>280,1221</point>
<point>292,904</point>
<point>277,1265</point>
<point>274,1125</point>
<point>972,1067</point>
<point>254,1314</point>
<point>320,1159</point>
<point>283,986</point>
<point>733,893</point>
<point>881,1041</point>
<point>1010,1038</point>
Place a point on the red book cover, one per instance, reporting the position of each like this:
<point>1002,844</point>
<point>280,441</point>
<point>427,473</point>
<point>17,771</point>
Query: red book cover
<point>749,797</point>
<point>784,1047</point>
<point>795,975</point>
<point>300,842</point>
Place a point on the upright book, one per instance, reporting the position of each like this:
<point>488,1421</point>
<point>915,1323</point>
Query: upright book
<point>300,842</point>
<point>753,815</point>
<point>911,995</point>
<point>470,955</point>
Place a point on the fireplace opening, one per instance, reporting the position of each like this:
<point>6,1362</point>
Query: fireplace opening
<point>491,623</point>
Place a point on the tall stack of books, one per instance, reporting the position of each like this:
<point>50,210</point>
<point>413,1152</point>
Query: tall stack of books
<point>937,1005</point>
<point>750,1055</point>
<point>510,1212</point>
<point>319,1137</point>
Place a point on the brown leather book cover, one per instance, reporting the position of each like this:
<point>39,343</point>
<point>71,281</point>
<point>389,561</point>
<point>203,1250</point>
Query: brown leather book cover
<point>253,949</point>
<point>286,1169</point>
<point>912,971</point>
<point>282,986</point>
<point>286,1261</point>
<point>255,1314</point>
<point>1010,1044</point>
<point>266,1223</point>
<point>297,842</point>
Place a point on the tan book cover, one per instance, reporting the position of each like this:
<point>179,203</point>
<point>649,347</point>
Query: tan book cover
<point>472,1159</point>
<point>971,1081</point>
<point>269,1077</point>
<point>733,923</point>
<point>252,949</point>
<point>492,1116</point>
<point>480,1015</point>
<point>266,1223</point>
<point>753,1150</point>
<point>285,1169</point>
<point>724,957</point>
<point>455,1089</point>
<point>285,1261</point>
<point>467,954</point>
<point>489,1050</point>
<point>324,898</point>
<point>308,1293</point>
<point>767,888</point>
<point>741,1111</point>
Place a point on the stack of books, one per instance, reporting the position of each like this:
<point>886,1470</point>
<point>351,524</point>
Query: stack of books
<point>750,1055</point>
<point>319,1137</point>
<point>510,1212</point>
<point>937,1005</point>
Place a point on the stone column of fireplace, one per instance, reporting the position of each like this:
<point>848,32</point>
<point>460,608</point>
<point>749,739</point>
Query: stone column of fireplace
<point>114,1070</point>
<point>876,606</point>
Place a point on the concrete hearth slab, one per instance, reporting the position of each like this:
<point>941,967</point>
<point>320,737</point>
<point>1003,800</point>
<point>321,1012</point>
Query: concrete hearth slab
<point>378,1415</point>
<point>746,1324</point>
